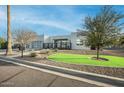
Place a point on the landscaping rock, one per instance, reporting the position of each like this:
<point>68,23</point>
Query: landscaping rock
<point>109,71</point>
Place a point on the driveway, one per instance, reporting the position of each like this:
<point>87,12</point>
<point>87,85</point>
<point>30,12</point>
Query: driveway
<point>17,76</point>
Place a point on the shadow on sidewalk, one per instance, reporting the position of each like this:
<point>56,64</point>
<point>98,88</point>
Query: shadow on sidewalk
<point>7,64</point>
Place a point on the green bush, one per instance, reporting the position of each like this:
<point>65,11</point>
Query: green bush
<point>55,50</point>
<point>33,54</point>
<point>47,52</point>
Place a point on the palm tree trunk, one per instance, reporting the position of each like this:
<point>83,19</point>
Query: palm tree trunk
<point>9,37</point>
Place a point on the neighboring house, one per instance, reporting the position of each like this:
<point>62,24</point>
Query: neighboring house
<point>72,41</point>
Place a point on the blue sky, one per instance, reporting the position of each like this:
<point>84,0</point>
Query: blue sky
<point>48,20</point>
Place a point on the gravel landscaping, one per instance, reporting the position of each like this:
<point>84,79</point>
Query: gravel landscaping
<point>117,72</point>
<point>42,58</point>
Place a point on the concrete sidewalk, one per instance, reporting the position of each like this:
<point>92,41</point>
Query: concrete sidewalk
<point>17,76</point>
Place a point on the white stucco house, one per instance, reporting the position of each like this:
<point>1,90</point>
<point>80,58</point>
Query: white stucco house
<point>72,41</point>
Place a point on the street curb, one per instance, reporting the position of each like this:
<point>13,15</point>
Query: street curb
<point>63,75</point>
<point>83,72</point>
<point>11,60</point>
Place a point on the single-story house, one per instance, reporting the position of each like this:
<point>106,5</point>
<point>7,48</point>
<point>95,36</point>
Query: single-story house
<point>72,41</point>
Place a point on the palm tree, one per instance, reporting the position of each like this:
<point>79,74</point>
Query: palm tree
<point>9,36</point>
<point>103,28</point>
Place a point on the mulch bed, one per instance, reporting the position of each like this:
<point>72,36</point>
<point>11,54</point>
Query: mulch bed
<point>110,71</point>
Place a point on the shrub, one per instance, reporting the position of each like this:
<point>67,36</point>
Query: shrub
<point>55,50</point>
<point>33,54</point>
<point>44,52</point>
<point>47,52</point>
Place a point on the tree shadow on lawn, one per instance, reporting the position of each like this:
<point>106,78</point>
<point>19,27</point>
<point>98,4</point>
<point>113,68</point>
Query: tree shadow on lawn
<point>71,58</point>
<point>88,58</point>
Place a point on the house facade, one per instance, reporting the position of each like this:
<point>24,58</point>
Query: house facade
<point>72,41</point>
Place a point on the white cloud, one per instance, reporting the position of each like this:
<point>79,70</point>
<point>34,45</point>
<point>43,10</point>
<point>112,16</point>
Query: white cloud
<point>32,19</point>
<point>2,15</point>
<point>3,19</point>
<point>69,20</point>
<point>52,24</point>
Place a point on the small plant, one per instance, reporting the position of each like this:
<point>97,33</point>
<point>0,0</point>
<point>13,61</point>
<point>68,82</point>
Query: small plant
<point>47,52</point>
<point>55,50</point>
<point>44,52</point>
<point>33,54</point>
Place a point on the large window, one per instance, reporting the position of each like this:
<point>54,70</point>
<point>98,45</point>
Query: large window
<point>79,42</point>
<point>62,44</point>
<point>37,44</point>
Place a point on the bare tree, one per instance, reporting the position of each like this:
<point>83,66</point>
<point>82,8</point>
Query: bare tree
<point>24,37</point>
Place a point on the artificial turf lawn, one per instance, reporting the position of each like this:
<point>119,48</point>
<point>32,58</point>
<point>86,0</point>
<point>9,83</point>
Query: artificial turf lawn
<point>114,61</point>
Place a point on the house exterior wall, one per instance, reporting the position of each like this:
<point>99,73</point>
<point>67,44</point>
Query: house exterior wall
<point>59,37</point>
<point>38,43</point>
<point>60,42</point>
<point>73,38</point>
<point>47,39</point>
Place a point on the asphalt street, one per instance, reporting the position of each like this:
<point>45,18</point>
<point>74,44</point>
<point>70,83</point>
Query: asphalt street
<point>17,76</point>
<point>105,80</point>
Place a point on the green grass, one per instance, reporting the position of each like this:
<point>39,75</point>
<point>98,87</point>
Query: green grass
<point>114,61</point>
